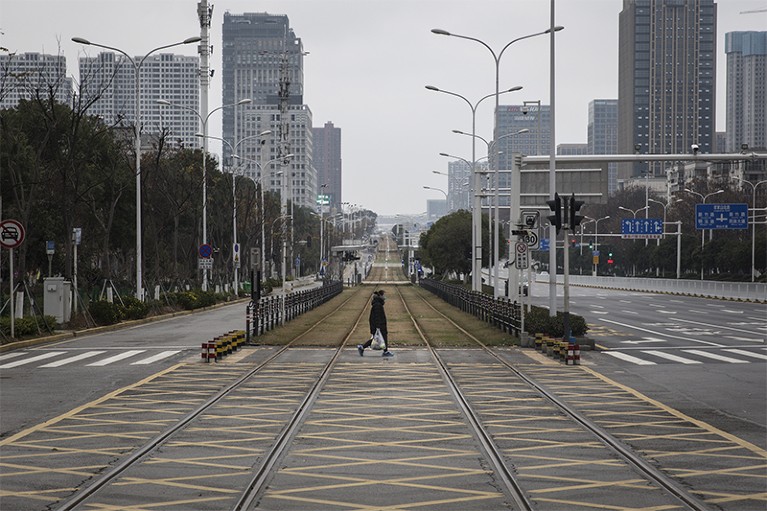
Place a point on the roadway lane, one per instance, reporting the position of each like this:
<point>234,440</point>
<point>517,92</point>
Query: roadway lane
<point>45,381</point>
<point>705,357</point>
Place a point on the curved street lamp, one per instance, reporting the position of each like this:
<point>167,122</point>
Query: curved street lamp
<point>515,177</point>
<point>476,234</point>
<point>704,198</point>
<point>137,140</point>
<point>204,124</point>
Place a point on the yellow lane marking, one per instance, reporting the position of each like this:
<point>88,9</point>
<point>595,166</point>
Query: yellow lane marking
<point>410,505</point>
<point>729,497</point>
<point>178,482</point>
<point>94,403</point>
<point>569,504</point>
<point>589,484</point>
<point>205,461</point>
<point>739,441</point>
<point>38,494</point>
<point>194,504</point>
<point>26,470</point>
<point>708,453</point>
<point>741,471</point>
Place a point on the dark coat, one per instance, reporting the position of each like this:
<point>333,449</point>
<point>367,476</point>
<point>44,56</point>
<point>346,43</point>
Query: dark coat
<point>377,313</point>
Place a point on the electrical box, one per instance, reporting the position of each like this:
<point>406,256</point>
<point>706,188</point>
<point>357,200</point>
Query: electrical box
<point>57,301</point>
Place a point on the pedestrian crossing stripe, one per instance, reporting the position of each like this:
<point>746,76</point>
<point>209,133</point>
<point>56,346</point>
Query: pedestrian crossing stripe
<point>635,357</point>
<point>11,360</point>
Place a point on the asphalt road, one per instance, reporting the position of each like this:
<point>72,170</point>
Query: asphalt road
<point>39,383</point>
<point>706,357</point>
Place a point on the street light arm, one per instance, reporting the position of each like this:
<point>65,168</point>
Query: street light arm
<point>547,31</point>
<point>86,42</point>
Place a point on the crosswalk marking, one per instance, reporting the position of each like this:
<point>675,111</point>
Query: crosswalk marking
<point>748,354</point>
<point>673,358</point>
<point>629,358</point>
<point>82,356</point>
<point>714,356</point>
<point>155,358</point>
<point>32,359</point>
<point>8,356</point>
<point>116,358</point>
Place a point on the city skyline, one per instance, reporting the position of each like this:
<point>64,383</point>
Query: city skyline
<point>369,76</point>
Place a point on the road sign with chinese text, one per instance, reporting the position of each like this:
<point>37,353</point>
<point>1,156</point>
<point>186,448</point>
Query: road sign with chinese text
<point>721,216</point>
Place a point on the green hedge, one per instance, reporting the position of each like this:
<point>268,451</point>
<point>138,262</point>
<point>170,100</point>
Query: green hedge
<point>539,321</point>
<point>28,325</point>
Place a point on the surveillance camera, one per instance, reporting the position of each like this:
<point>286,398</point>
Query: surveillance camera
<point>695,148</point>
<point>525,110</point>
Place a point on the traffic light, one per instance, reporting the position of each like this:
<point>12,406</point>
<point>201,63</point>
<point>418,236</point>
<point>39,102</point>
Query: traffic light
<point>555,205</point>
<point>575,206</point>
<point>573,242</point>
<point>610,259</point>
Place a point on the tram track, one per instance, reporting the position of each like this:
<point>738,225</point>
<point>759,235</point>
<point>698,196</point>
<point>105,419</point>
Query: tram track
<point>636,461</point>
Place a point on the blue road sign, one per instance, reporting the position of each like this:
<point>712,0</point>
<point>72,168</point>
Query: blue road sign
<point>206,250</point>
<point>721,216</point>
<point>544,245</point>
<point>641,228</point>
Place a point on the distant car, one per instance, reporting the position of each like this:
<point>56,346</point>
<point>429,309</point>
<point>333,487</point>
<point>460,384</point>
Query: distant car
<point>10,232</point>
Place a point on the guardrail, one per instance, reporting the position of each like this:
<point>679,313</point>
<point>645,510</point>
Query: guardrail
<point>749,291</point>
<point>500,312</point>
<point>267,313</point>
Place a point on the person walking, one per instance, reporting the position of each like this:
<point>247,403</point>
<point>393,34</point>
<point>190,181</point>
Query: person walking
<point>377,322</point>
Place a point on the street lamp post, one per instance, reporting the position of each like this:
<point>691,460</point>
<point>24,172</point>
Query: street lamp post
<point>515,178</point>
<point>476,235</point>
<point>233,150</point>
<point>322,229</point>
<point>494,232</point>
<point>137,141</point>
<point>634,214</point>
<point>204,125</point>
<point>595,271</point>
<point>702,231</point>
<point>753,224</point>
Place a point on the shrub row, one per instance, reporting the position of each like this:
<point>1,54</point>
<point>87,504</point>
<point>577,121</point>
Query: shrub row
<point>28,325</point>
<point>539,321</point>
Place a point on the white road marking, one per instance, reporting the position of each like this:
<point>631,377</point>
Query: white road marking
<point>748,353</point>
<point>155,358</point>
<point>32,359</point>
<point>732,311</point>
<point>8,356</point>
<point>745,339</point>
<point>630,312</point>
<point>81,356</point>
<point>714,326</point>
<point>646,339</point>
<point>667,312</point>
<point>629,358</point>
<point>600,312</point>
<point>673,358</point>
<point>115,358</point>
<point>714,356</point>
<point>662,334</point>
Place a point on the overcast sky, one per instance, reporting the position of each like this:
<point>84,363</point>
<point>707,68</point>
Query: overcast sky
<point>370,60</point>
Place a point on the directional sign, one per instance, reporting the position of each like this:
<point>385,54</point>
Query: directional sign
<point>544,245</point>
<point>635,228</point>
<point>721,216</point>
<point>11,233</point>
<point>206,250</point>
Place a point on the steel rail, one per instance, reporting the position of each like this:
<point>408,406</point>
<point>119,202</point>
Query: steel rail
<point>622,450</point>
<point>136,456</point>
<point>492,451</point>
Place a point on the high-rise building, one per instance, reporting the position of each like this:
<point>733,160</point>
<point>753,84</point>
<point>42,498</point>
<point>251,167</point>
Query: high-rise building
<point>327,161</point>
<point>459,184</point>
<point>109,80</point>
<point>603,134</point>
<point>530,116</point>
<point>263,61</point>
<point>572,149</point>
<point>666,79</point>
<point>746,90</point>
<point>24,75</point>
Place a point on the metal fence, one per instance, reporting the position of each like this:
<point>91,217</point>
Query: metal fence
<point>268,312</point>
<point>749,291</point>
<point>500,312</point>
